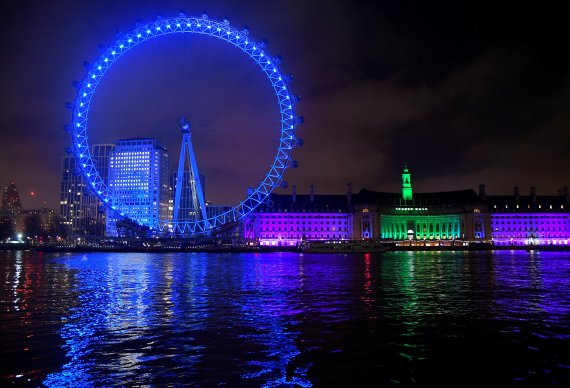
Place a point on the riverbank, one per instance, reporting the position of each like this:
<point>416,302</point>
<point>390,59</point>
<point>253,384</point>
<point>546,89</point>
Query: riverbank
<point>484,247</point>
<point>275,249</point>
<point>253,249</point>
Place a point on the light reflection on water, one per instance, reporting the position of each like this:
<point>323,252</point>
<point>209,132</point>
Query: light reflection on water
<point>108,319</point>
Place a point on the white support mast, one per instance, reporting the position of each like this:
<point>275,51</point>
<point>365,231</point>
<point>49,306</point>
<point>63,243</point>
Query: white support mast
<point>188,185</point>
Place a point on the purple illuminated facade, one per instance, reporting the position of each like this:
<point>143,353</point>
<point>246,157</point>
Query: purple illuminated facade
<point>531,228</point>
<point>291,228</point>
<point>530,220</point>
<point>287,220</point>
<point>441,217</point>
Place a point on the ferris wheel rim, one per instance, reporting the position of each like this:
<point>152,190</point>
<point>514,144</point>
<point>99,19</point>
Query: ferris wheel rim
<point>256,50</point>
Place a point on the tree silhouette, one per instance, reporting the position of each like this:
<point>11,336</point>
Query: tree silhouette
<point>33,227</point>
<point>6,228</point>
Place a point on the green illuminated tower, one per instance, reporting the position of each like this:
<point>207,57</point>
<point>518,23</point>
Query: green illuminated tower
<point>406,184</point>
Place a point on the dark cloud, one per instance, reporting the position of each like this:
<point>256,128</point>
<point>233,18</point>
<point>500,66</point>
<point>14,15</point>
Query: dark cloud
<point>465,92</point>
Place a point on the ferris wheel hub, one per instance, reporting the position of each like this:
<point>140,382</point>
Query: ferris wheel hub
<point>184,124</point>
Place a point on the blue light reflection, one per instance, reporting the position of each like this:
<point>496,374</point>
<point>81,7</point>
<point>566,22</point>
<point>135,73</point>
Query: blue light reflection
<point>134,310</point>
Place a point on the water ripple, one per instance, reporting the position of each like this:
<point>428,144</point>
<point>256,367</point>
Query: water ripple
<point>284,319</point>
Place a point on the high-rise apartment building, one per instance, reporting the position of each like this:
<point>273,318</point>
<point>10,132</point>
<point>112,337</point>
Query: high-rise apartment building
<point>11,200</point>
<point>80,210</point>
<point>139,184</point>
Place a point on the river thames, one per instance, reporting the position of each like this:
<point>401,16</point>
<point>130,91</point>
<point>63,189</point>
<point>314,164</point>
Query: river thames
<point>284,319</point>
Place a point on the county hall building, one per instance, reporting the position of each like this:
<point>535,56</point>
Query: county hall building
<point>441,218</point>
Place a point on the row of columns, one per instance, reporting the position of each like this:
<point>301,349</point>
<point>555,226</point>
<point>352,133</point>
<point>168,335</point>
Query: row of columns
<point>423,229</point>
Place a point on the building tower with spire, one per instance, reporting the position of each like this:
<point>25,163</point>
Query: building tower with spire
<point>189,203</point>
<point>406,184</point>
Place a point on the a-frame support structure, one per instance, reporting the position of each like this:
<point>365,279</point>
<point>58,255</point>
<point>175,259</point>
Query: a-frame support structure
<point>189,204</point>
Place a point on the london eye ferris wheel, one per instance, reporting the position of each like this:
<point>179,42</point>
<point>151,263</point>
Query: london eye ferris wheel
<point>182,24</point>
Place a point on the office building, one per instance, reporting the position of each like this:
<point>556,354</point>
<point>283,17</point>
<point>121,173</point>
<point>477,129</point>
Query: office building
<point>139,185</point>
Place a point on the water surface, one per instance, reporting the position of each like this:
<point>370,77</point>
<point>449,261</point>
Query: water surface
<point>284,319</point>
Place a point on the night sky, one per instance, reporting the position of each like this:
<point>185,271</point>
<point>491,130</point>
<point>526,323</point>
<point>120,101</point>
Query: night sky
<point>464,92</point>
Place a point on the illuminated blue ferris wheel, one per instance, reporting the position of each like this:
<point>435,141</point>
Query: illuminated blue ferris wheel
<point>163,26</point>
